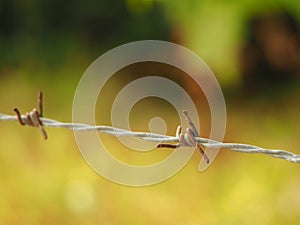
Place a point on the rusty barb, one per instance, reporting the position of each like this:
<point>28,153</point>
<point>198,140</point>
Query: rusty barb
<point>32,118</point>
<point>188,139</point>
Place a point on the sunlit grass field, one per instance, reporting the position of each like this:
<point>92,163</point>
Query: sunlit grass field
<point>49,182</point>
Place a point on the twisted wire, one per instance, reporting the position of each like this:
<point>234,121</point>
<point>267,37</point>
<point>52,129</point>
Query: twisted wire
<point>208,143</point>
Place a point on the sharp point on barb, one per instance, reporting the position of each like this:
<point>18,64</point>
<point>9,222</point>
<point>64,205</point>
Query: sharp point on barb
<point>19,116</point>
<point>166,146</point>
<point>40,103</point>
<point>191,123</point>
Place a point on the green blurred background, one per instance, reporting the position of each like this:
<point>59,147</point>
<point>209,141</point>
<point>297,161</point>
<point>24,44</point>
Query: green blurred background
<point>47,45</point>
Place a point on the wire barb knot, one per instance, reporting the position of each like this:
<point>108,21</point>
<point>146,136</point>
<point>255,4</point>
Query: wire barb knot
<point>187,139</point>
<point>32,118</point>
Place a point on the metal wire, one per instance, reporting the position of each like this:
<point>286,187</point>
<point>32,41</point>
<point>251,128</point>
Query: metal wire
<point>208,143</point>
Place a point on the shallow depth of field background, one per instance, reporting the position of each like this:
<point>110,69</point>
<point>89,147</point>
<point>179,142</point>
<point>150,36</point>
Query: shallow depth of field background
<point>47,45</point>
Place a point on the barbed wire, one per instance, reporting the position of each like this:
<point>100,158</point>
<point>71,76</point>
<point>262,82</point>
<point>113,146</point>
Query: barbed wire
<point>190,138</point>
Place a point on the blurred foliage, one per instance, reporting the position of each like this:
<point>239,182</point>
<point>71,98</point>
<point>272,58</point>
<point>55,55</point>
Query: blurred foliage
<point>50,32</point>
<point>46,45</point>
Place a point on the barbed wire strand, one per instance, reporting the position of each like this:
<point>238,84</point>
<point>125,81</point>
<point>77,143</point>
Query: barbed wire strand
<point>190,138</point>
<point>208,143</point>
